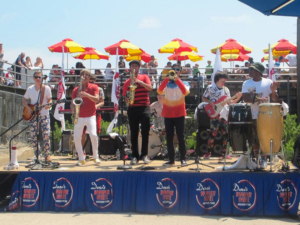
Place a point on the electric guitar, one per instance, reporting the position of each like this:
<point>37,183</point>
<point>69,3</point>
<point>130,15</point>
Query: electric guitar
<point>214,111</point>
<point>27,116</point>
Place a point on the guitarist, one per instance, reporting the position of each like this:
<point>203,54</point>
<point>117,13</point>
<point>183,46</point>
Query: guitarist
<point>33,93</point>
<point>211,95</point>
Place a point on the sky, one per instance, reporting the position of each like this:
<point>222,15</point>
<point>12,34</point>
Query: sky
<point>31,26</point>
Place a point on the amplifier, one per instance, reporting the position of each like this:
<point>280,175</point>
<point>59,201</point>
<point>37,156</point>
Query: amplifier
<point>107,145</point>
<point>203,119</point>
<point>65,138</point>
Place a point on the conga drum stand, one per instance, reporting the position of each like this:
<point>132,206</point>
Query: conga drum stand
<point>243,162</point>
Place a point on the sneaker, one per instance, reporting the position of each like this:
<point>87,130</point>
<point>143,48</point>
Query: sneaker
<point>133,161</point>
<point>97,161</point>
<point>48,159</point>
<point>183,163</point>
<point>169,163</point>
<point>207,155</point>
<point>80,163</point>
<point>146,159</point>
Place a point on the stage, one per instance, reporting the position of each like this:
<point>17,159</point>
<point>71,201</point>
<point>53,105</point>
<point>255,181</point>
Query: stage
<point>170,190</point>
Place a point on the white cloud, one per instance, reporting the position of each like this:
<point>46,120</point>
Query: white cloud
<point>7,16</point>
<point>150,23</point>
<point>231,19</point>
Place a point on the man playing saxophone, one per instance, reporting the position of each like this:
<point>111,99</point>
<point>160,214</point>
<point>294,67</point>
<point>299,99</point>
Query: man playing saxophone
<point>89,93</point>
<point>139,110</point>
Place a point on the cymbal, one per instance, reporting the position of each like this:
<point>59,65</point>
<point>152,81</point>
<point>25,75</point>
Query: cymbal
<point>188,117</point>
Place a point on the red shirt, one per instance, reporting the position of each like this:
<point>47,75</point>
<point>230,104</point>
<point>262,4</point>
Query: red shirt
<point>88,107</point>
<point>141,96</point>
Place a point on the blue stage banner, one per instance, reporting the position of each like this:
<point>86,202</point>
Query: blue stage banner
<point>221,193</point>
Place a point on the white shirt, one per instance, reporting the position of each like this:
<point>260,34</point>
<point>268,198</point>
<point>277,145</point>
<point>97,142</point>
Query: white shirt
<point>213,93</point>
<point>292,59</point>
<point>261,88</point>
<point>33,95</point>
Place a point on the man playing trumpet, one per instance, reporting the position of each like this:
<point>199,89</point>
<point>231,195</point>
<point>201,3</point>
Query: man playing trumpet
<point>89,95</point>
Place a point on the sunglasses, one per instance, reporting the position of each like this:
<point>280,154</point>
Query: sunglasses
<point>177,69</point>
<point>37,77</point>
<point>250,68</point>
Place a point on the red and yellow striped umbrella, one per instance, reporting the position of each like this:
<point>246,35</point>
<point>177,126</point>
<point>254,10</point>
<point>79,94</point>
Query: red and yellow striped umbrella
<point>231,46</point>
<point>145,57</point>
<point>124,48</point>
<point>91,53</point>
<point>234,57</point>
<point>67,45</point>
<point>181,56</point>
<point>282,48</point>
<point>176,46</point>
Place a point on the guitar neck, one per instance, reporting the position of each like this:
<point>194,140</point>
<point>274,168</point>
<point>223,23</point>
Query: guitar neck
<point>228,100</point>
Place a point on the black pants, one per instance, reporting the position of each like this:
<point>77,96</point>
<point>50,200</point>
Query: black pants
<point>178,123</point>
<point>136,116</point>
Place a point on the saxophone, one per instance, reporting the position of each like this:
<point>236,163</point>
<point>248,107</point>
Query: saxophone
<point>132,88</point>
<point>77,102</point>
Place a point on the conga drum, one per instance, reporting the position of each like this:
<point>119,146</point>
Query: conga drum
<point>270,126</point>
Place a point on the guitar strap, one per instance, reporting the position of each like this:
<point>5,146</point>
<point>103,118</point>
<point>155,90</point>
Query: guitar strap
<point>42,94</point>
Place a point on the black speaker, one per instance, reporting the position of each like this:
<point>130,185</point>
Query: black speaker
<point>107,145</point>
<point>203,119</point>
<point>202,138</point>
<point>65,139</point>
<point>218,145</point>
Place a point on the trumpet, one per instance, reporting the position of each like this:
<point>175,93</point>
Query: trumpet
<point>171,74</point>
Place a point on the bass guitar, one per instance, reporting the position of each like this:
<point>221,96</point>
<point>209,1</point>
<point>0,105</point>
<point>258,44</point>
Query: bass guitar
<point>29,116</point>
<point>214,111</point>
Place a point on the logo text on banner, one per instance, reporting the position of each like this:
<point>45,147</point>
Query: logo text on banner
<point>31,192</point>
<point>209,194</point>
<point>62,192</point>
<point>167,193</point>
<point>102,193</point>
<point>286,194</point>
<point>244,195</point>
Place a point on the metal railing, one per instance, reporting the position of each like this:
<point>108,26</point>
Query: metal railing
<point>12,111</point>
<point>71,79</point>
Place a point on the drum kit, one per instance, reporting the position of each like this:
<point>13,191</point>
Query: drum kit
<point>269,130</point>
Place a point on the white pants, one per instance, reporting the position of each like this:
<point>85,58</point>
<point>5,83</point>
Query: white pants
<point>90,123</point>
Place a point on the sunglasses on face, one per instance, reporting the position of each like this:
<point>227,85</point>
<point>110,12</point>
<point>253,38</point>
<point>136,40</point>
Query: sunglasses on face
<point>250,68</point>
<point>37,77</point>
<point>177,69</point>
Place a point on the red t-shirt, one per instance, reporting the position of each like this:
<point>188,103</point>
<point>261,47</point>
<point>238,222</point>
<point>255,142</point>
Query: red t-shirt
<point>88,107</point>
<point>141,96</point>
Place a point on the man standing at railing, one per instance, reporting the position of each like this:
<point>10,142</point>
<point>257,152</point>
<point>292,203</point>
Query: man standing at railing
<point>152,68</point>
<point>292,58</point>
<point>209,70</point>
<point>33,93</point>
<point>19,64</point>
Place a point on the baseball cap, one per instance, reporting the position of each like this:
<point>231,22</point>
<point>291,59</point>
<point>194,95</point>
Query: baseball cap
<point>135,62</point>
<point>258,67</point>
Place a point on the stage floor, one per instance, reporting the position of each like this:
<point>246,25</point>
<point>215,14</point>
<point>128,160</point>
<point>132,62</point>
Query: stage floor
<point>68,165</point>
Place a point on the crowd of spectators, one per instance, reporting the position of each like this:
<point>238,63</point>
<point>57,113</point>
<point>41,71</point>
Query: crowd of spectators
<point>12,75</point>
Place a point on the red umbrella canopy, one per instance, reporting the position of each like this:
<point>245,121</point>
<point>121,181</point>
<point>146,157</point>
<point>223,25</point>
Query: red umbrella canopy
<point>176,46</point>
<point>235,57</point>
<point>91,53</point>
<point>68,45</point>
<point>124,48</point>
<point>282,47</point>
<point>231,46</point>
